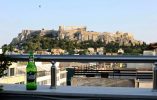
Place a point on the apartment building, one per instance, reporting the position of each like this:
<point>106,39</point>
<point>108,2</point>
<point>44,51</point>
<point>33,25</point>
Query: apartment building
<point>16,74</point>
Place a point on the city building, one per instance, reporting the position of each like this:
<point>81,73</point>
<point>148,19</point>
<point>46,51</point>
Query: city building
<point>143,65</point>
<point>152,47</point>
<point>100,51</point>
<point>43,52</point>
<point>57,51</point>
<point>61,75</point>
<point>91,51</point>
<point>16,74</point>
<point>120,51</point>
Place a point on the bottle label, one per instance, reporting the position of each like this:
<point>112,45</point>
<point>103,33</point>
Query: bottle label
<point>31,76</point>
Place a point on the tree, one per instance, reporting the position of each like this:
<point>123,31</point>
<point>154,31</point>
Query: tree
<point>84,52</point>
<point>10,48</point>
<point>4,47</point>
<point>4,64</point>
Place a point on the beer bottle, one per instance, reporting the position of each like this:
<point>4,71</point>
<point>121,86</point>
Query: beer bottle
<point>31,71</point>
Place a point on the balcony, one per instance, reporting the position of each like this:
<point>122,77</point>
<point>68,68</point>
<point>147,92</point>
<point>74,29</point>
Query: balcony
<point>15,91</point>
<point>18,92</point>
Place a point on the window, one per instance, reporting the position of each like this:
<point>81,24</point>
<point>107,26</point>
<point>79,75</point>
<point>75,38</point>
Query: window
<point>62,76</point>
<point>12,71</point>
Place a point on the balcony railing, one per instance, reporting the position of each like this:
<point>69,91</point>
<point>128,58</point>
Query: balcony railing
<point>88,93</point>
<point>86,58</point>
<point>89,58</point>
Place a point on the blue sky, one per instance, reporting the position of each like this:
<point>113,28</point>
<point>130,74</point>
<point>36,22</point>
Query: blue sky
<point>138,17</point>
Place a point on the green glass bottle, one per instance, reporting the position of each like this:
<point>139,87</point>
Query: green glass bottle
<point>31,71</point>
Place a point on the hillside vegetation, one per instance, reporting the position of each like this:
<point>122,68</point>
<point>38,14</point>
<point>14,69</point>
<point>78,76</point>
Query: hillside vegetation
<point>37,42</point>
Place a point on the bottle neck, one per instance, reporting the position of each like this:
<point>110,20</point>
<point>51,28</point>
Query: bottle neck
<point>31,59</point>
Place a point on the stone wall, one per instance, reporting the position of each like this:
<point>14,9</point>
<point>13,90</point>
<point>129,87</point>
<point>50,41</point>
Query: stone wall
<point>106,82</point>
<point>66,28</point>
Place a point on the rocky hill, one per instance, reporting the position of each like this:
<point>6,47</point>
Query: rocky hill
<point>27,34</point>
<point>78,33</point>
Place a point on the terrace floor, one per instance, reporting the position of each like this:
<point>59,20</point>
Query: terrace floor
<point>18,92</point>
